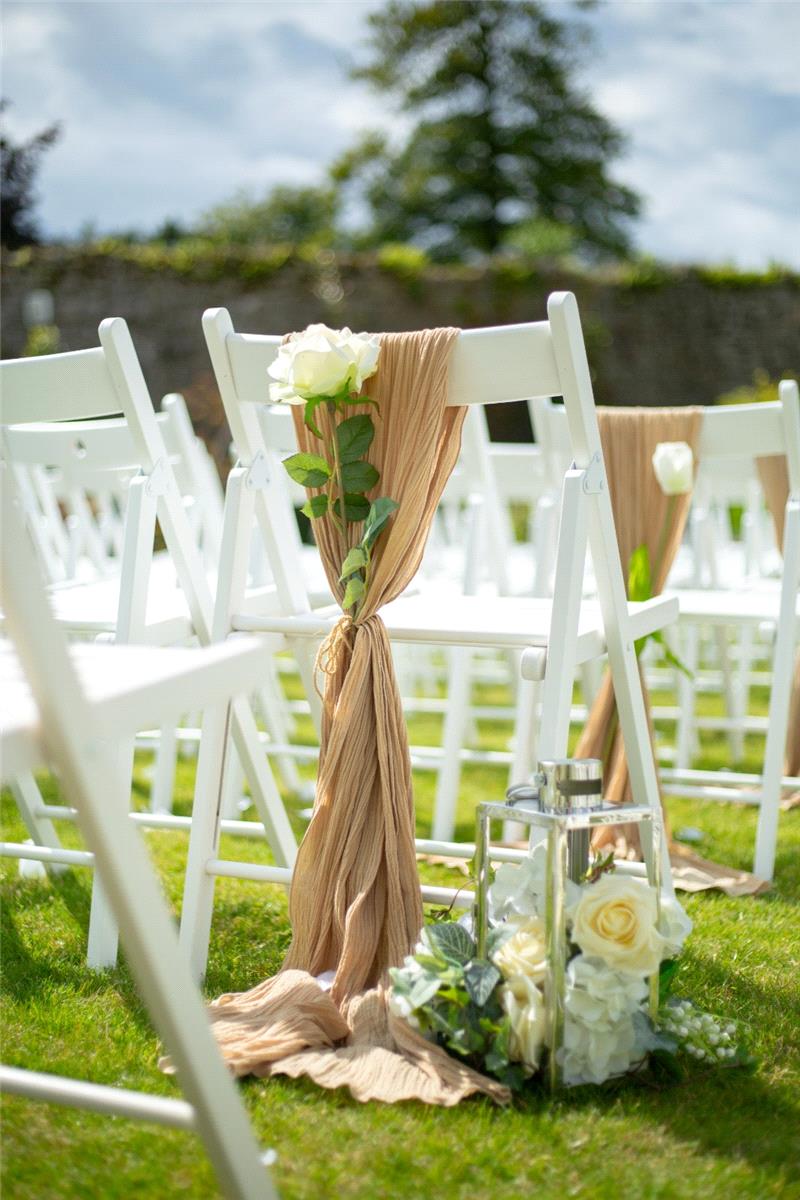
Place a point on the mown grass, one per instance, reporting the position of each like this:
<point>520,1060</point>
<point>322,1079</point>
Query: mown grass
<point>727,1133</point>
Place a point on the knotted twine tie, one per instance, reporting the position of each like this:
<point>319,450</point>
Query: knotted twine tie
<point>355,903</point>
<point>644,515</point>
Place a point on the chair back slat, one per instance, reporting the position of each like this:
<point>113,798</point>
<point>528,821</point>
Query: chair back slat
<point>57,387</point>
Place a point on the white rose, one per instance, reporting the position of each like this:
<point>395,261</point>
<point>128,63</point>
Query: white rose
<point>676,925</point>
<point>321,362</point>
<point>524,1006</point>
<point>525,952</point>
<point>673,463</point>
<point>615,920</point>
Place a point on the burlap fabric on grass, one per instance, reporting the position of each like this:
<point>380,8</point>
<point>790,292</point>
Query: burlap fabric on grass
<point>643,514</point>
<point>355,902</point>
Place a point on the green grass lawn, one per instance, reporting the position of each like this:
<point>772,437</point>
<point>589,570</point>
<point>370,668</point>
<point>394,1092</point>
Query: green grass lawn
<point>726,1133</point>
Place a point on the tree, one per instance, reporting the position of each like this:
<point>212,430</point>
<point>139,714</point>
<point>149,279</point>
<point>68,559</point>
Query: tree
<point>503,135</point>
<point>286,214</point>
<point>19,164</point>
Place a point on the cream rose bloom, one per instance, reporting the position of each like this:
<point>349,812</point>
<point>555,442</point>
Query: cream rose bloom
<point>321,362</point>
<point>524,1006</point>
<point>673,463</point>
<point>615,920</point>
<point>524,953</point>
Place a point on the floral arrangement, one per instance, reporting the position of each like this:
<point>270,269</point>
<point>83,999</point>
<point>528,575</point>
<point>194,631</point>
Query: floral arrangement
<point>325,369</point>
<point>493,1012</point>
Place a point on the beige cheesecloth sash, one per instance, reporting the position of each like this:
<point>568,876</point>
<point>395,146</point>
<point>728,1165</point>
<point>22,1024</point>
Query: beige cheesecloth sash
<point>774,476</point>
<point>629,437</point>
<point>355,903</point>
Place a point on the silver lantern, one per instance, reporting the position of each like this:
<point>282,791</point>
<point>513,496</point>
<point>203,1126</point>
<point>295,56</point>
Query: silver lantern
<point>563,803</point>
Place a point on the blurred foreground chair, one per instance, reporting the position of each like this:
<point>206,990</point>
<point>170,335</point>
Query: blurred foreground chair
<point>69,705</point>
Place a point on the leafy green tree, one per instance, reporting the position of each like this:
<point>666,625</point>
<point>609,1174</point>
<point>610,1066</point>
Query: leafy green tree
<point>19,164</point>
<point>286,214</point>
<point>502,133</point>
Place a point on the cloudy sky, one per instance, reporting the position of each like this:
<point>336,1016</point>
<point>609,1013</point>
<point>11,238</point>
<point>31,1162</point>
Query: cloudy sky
<point>170,107</point>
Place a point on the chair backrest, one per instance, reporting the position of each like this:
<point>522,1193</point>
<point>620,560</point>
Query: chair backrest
<point>732,436</point>
<point>488,366</point>
<point>105,382</point>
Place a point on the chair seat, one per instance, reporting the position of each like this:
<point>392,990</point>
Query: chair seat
<point>751,605</point>
<point>132,687</point>
<point>504,622</point>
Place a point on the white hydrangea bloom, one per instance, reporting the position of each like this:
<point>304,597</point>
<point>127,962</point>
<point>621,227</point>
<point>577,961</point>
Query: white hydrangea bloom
<point>521,888</point>
<point>599,1032</point>
<point>675,925</point>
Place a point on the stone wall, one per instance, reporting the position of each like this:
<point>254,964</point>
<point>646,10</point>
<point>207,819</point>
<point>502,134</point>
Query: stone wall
<point>676,337</point>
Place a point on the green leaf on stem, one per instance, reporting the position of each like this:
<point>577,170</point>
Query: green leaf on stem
<point>379,512</point>
<point>671,658</point>
<point>359,476</point>
<point>308,414</point>
<point>353,592</point>
<point>315,506</point>
<point>354,437</point>
<point>310,470</point>
<point>640,585</point>
<point>356,560</point>
<point>356,507</point>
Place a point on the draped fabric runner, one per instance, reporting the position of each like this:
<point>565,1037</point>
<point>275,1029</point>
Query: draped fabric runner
<point>774,476</point>
<point>355,903</point>
<point>629,437</point>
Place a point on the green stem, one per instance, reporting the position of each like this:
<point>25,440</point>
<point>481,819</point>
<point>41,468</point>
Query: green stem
<point>337,466</point>
<point>662,541</point>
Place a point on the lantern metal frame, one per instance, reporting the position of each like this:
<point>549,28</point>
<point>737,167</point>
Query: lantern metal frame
<point>558,826</point>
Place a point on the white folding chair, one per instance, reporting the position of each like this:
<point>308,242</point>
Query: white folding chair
<point>103,382</point>
<point>488,366</point>
<point>68,706</point>
<point>734,434</point>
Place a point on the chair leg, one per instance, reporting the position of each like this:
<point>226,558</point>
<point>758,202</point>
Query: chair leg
<point>782,673</point>
<point>198,886</point>
<point>28,798</point>
<point>524,762</point>
<point>449,775</point>
<point>266,797</point>
<point>687,700</point>
<point>166,757</point>
<point>103,943</point>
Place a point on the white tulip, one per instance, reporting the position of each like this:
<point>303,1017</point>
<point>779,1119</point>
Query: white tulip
<point>673,463</point>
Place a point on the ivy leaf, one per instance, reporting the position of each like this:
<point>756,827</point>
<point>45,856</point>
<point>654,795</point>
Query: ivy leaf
<point>359,476</point>
<point>379,513</point>
<point>310,470</point>
<point>480,977</point>
<point>356,506</point>
<point>451,941</point>
<point>355,437</point>
<point>424,988</point>
<point>315,506</point>
<point>355,560</point>
<point>308,414</point>
<point>640,586</point>
<point>353,592</point>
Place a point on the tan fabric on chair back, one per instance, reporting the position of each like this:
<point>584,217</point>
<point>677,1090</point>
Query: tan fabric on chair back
<point>774,476</point>
<point>355,902</point>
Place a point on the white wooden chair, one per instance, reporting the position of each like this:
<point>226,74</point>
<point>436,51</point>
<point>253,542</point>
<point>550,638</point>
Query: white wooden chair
<point>68,706</point>
<point>488,366</point>
<point>734,434</point>
<point>102,382</point>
